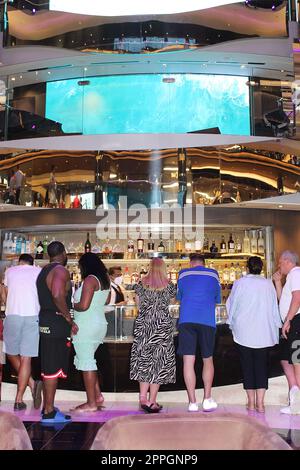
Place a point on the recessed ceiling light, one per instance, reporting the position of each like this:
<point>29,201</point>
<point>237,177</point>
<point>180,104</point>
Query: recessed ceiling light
<point>280,206</point>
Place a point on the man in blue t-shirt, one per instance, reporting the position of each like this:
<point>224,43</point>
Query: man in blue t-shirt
<point>198,291</point>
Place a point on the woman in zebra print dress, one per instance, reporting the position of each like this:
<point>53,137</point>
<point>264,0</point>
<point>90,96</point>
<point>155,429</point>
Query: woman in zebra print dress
<point>152,360</point>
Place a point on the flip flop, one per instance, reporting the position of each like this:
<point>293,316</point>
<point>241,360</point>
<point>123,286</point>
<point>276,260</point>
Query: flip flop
<point>43,410</point>
<point>59,417</point>
<point>19,406</point>
<point>77,409</point>
<point>151,408</point>
<point>260,410</point>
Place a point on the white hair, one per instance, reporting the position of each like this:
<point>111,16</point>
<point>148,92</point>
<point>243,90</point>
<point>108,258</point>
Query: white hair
<point>290,256</point>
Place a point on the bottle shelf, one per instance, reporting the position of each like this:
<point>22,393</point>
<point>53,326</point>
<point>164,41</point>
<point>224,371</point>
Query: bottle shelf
<point>142,258</point>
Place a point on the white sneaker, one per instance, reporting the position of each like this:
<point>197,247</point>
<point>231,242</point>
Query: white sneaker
<point>292,392</point>
<point>286,410</point>
<point>193,407</point>
<point>209,404</point>
<point>295,401</point>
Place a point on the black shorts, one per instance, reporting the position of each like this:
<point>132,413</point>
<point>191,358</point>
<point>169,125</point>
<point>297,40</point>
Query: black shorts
<point>55,353</point>
<point>293,340</point>
<point>191,334</point>
<point>284,351</point>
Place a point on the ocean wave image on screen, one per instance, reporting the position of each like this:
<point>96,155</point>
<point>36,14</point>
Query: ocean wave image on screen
<point>155,103</point>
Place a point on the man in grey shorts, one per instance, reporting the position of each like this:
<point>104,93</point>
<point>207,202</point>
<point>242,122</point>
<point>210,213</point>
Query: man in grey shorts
<point>21,326</point>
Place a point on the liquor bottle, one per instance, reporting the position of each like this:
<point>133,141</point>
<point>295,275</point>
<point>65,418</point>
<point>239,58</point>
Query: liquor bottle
<point>170,246</point>
<point>150,244</point>
<point>188,247</point>
<point>174,275</point>
<point>226,275</point>
<point>33,246</point>
<point>261,244</point>
<point>169,272</point>
<point>28,246</point>
<point>238,271</point>
<point>238,245</point>
<point>23,247</point>
<point>253,242</point>
<point>246,243</point>
<point>143,272</point>
<point>4,244</point>
<point>179,246</point>
<point>135,277</point>
<point>205,243</point>
<point>18,250</point>
<point>14,245</point>
<point>130,249</point>
<point>244,271</point>
<point>61,204</point>
<point>140,244</point>
<point>213,248</point>
<point>76,203</point>
<point>45,244</point>
<point>262,272</point>
<point>39,251</point>
<point>126,277</point>
<point>231,245</point>
<point>220,273</point>
<point>106,247</point>
<point>223,245</point>
<point>10,244</point>
<point>232,273</point>
<point>87,245</point>
<point>161,247</point>
<point>198,243</point>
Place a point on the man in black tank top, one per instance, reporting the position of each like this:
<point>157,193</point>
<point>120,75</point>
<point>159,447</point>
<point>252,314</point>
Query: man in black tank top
<point>56,325</point>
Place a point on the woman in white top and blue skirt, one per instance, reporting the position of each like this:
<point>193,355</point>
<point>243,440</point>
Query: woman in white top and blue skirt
<point>254,319</point>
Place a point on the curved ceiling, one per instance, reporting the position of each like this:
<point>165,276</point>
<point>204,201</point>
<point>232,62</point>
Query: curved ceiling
<point>236,18</point>
<point>130,141</point>
<point>134,7</point>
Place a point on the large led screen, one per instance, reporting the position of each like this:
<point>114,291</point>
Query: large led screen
<point>150,104</point>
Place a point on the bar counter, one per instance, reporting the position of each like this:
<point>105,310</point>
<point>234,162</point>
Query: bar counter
<point>113,356</point>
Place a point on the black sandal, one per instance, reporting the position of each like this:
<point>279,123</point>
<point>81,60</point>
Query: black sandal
<point>151,409</point>
<point>19,406</point>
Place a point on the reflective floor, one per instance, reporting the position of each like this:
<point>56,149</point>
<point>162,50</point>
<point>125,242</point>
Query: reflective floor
<point>81,432</point>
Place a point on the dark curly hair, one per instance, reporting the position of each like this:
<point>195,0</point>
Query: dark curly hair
<point>254,264</point>
<point>89,263</point>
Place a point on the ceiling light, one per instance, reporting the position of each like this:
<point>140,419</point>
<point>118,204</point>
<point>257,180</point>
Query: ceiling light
<point>134,7</point>
<point>280,206</point>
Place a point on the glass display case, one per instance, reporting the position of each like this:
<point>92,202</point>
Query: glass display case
<point>121,320</point>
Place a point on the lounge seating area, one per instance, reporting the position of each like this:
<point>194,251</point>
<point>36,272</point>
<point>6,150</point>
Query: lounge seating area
<point>225,431</point>
<point>13,434</point>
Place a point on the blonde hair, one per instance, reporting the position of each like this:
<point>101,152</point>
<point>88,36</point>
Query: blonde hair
<point>157,277</point>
